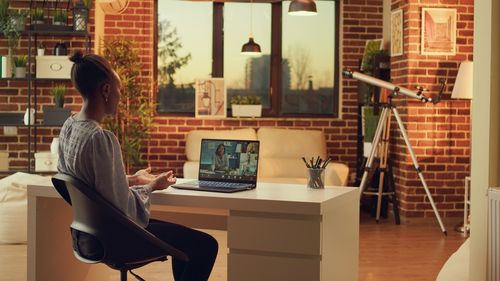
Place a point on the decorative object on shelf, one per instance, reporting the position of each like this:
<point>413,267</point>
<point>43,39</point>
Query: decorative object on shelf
<point>29,116</point>
<point>7,66</point>
<point>439,31</point>
<point>210,98</point>
<point>60,49</point>
<point>55,116</point>
<point>58,93</point>
<point>37,16</point>
<point>133,120</point>
<point>60,17</point>
<point>4,12</point>
<point>18,18</point>
<point>46,162</point>
<point>246,106</point>
<point>40,49</point>
<point>302,8</point>
<point>251,48</point>
<point>397,32</point>
<point>81,15</point>
<point>20,66</point>
<point>57,67</point>
<point>54,146</point>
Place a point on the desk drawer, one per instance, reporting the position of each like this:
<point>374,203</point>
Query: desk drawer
<point>247,267</point>
<point>287,234</point>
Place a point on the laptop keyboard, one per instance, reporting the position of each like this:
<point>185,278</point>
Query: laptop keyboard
<point>224,185</point>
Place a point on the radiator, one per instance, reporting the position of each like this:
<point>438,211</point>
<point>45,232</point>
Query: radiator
<point>494,234</point>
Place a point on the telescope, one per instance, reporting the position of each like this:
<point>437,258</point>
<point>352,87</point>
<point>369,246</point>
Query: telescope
<point>395,89</point>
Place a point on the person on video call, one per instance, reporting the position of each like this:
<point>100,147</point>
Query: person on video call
<point>93,155</point>
<point>220,159</point>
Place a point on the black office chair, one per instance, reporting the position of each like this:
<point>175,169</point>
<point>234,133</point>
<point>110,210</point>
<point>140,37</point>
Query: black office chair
<point>103,234</point>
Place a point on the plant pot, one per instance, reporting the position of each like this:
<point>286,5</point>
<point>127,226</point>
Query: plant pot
<point>246,110</point>
<point>59,102</point>
<point>20,72</point>
<point>40,52</point>
<point>59,23</point>
<point>37,22</point>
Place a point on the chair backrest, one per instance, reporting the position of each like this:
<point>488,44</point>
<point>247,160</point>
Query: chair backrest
<point>123,241</point>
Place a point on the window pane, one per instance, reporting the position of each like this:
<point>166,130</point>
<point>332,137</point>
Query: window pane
<point>308,61</point>
<point>184,52</point>
<point>247,75</point>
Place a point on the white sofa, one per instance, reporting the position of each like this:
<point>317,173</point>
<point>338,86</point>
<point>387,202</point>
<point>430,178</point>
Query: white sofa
<point>280,156</point>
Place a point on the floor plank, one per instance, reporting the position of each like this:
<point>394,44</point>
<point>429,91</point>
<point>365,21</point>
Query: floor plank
<point>413,251</point>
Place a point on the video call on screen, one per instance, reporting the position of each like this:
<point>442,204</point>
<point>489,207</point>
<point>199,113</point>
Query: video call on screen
<point>232,160</point>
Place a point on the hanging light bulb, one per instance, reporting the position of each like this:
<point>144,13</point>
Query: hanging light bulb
<point>251,48</point>
<point>302,8</point>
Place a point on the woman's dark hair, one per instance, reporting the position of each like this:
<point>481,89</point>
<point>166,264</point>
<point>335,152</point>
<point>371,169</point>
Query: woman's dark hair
<point>88,72</point>
<point>219,146</point>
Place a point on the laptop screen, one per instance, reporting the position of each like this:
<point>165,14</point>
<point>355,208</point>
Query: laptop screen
<point>229,160</point>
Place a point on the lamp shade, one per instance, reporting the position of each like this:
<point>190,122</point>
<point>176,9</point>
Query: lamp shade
<point>302,8</point>
<point>463,84</point>
<point>250,48</point>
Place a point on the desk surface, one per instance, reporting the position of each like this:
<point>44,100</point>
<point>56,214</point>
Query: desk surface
<point>267,197</point>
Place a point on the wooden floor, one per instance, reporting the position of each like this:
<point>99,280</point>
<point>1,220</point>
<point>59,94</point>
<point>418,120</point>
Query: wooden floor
<point>413,251</point>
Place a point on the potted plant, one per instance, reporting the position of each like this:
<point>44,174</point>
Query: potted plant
<point>37,16</point>
<point>20,66</point>
<point>58,93</point>
<point>60,17</point>
<point>40,49</point>
<point>246,106</point>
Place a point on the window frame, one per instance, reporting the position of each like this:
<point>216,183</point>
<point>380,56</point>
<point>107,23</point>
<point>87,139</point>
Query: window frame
<point>275,90</point>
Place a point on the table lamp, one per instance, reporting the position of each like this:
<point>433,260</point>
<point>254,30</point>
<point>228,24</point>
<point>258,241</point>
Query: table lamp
<point>463,90</point>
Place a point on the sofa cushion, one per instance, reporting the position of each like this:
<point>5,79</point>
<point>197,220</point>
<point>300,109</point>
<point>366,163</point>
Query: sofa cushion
<point>193,139</point>
<point>281,151</point>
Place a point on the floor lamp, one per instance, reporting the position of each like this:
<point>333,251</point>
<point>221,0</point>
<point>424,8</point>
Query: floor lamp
<point>463,90</point>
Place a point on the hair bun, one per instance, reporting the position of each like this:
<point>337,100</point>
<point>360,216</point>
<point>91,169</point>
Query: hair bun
<point>77,57</point>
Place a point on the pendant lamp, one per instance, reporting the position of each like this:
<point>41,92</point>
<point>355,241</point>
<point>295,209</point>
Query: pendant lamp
<point>251,48</point>
<point>302,8</point>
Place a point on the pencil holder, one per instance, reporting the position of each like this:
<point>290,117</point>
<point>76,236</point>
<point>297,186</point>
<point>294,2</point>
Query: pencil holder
<point>315,178</point>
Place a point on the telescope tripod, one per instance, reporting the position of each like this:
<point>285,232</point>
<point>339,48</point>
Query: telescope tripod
<point>383,128</point>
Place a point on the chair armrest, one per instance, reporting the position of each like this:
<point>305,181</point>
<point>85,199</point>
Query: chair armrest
<point>190,170</point>
<point>336,174</point>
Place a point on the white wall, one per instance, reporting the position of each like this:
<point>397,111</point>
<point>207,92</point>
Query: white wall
<point>485,128</point>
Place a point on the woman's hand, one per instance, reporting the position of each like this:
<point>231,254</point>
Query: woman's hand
<point>163,181</point>
<point>142,177</point>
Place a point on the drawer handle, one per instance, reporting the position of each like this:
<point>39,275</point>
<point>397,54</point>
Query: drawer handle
<point>56,66</point>
<point>48,162</point>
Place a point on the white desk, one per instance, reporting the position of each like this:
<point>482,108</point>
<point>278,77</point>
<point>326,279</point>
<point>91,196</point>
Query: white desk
<point>275,232</point>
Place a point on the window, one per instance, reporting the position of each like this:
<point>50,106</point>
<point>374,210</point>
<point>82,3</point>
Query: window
<point>308,62</point>
<point>247,75</point>
<point>184,52</point>
<point>296,75</point>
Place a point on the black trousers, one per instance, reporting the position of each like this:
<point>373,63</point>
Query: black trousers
<point>201,248</point>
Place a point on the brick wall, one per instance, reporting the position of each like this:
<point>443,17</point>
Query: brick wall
<point>439,134</point>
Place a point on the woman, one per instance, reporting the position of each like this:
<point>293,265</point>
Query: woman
<point>220,160</point>
<point>93,155</point>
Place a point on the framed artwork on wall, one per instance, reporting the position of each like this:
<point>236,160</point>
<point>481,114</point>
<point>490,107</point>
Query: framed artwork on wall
<point>371,47</point>
<point>210,95</point>
<point>439,31</point>
<point>396,32</point>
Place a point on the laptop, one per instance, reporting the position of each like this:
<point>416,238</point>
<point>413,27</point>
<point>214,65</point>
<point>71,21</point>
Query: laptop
<point>226,166</point>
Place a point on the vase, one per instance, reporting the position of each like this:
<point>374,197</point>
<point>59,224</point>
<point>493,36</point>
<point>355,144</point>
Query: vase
<point>54,146</point>
<point>20,72</point>
<point>40,52</point>
<point>29,116</point>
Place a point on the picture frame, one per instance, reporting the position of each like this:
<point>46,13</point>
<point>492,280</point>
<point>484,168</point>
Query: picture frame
<point>370,46</point>
<point>439,31</point>
<point>210,98</point>
<point>397,32</point>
